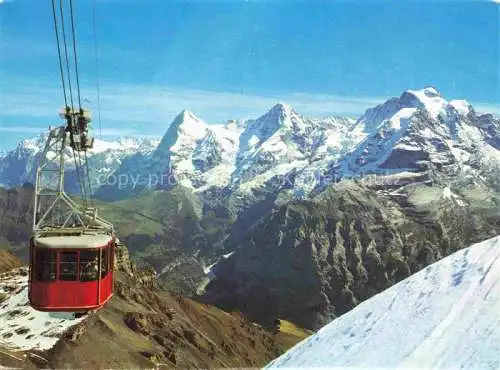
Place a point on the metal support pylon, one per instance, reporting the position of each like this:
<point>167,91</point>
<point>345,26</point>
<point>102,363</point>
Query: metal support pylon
<point>54,211</point>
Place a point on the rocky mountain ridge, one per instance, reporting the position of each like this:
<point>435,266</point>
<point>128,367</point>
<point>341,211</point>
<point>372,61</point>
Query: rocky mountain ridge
<point>285,155</point>
<point>414,132</point>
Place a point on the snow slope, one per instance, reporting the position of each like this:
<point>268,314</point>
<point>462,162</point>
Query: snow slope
<point>445,316</point>
<point>22,327</point>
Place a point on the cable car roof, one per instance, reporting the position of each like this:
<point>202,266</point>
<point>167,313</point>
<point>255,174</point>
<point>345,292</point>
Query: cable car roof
<point>73,242</point>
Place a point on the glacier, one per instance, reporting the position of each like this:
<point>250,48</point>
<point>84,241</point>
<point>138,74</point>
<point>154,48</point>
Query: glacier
<point>446,316</point>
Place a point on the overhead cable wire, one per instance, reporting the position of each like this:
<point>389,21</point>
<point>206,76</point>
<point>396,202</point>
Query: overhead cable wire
<point>89,182</point>
<point>74,54</point>
<point>66,54</point>
<point>94,16</point>
<point>61,70</point>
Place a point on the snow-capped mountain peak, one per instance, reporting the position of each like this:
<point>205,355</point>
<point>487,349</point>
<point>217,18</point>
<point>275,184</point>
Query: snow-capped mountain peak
<point>35,144</point>
<point>182,134</point>
<point>281,111</point>
<point>425,95</point>
<point>186,120</point>
<point>198,153</point>
<point>462,107</point>
<point>419,131</point>
<point>427,98</point>
<point>281,116</point>
<point>125,144</point>
<point>434,103</point>
<point>185,130</point>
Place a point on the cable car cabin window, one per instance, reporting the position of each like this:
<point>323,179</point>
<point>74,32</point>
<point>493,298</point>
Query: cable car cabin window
<point>104,262</point>
<point>112,257</point>
<point>45,265</point>
<point>89,267</point>
<point>67,266</point>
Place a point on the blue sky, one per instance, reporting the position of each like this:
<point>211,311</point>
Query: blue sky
<point>235,59</point>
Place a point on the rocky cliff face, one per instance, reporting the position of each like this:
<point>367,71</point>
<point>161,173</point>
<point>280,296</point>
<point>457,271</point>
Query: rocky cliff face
<point>145,276</point>
<point>312,261</point>
<point>8,261</point>
<point>16,217</point>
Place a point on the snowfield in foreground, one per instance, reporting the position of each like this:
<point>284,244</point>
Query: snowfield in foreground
<point>22,327</point>
<point>446,316</point>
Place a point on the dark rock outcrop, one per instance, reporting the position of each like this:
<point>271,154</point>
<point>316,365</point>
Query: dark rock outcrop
<point>311,261</point>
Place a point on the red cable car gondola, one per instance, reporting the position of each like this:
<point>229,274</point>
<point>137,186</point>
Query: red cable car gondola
<point>72,249</point>
<point>71,273</point>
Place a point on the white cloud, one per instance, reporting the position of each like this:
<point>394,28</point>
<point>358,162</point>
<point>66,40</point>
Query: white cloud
<point>145,103</point>
<point>487,108</point>
<point>150,109</point>
<point>21,129</point>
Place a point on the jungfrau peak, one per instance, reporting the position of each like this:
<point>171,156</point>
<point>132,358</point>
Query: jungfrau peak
<point>427,99</point>
<point>418,131</point>
<point>432,101</point>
